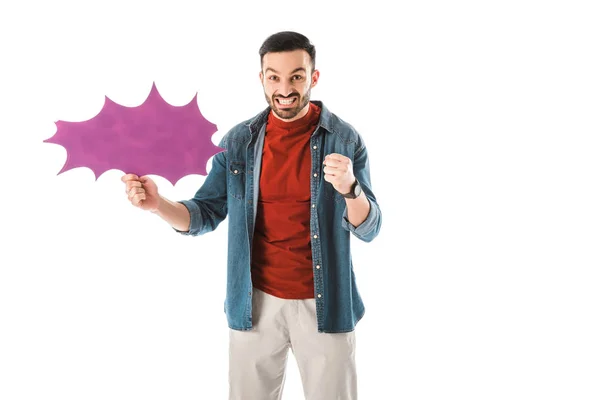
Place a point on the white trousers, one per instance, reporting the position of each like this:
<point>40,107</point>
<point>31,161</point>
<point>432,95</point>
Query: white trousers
<point>258,358</point>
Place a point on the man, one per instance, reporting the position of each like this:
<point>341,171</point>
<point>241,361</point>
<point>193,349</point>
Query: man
<point>294,181</point>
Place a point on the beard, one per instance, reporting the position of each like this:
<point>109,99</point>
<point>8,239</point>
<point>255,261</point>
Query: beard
<point>288,112</point>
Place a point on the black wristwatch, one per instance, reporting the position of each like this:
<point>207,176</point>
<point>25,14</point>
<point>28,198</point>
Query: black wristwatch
<point>355,190</point>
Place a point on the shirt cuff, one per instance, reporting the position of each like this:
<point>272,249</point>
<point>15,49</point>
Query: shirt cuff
<point>367,226</point>
<point>195,218</point>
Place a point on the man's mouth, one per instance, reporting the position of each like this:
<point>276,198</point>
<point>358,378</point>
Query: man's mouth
<point>286,102</point>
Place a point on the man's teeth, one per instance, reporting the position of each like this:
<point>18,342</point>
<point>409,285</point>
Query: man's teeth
<point>286,102</point>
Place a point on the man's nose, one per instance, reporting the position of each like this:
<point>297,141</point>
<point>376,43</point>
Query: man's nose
<point>285,89</point>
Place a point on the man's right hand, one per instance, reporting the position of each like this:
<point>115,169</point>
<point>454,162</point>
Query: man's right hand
<point>142,192</point>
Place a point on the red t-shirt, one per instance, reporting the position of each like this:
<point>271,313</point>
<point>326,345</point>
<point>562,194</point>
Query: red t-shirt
<point>281,253</point>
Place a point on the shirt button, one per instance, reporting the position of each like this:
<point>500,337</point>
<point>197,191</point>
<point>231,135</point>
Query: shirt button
<point>314,147</point>
<point>235,171</point>
<point>315,175</point>
<point>313,206</point>
<point>318,266</point>
<point>315,236</point>
<point>319,295</point>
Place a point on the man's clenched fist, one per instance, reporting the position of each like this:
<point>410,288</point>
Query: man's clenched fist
<point>338,172</point>
<point>142,192</point>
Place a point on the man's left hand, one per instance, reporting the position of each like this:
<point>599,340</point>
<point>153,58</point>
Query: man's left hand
<point>338,172</point>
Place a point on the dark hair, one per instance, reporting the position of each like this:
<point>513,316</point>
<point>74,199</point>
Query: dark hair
<point>287,41</point>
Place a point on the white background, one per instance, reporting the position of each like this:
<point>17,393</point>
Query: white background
<point>482,124</point>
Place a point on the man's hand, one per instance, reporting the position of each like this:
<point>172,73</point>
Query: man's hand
<point>142,192</point>
<point>338,171</point>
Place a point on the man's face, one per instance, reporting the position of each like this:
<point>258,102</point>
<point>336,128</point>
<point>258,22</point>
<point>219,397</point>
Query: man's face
<point>287,80</point>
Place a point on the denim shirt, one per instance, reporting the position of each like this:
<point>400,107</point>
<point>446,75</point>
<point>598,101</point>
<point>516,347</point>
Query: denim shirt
<point>231,189</point>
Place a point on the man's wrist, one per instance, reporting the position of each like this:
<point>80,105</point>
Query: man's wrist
<point>157,210</point>
<point>344,190</point>
<point>353,191</point>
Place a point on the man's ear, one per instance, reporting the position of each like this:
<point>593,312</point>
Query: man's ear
<point>315,78</point>
<point>260,76</point>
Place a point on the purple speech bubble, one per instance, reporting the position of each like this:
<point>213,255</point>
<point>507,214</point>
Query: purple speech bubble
<point>153,138</point>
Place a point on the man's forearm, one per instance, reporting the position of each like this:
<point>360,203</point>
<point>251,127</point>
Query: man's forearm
<point>175,214</point>
<point>358,209</point>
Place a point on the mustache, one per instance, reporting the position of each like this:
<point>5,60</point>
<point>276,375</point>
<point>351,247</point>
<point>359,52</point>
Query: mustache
<point>288,96</point>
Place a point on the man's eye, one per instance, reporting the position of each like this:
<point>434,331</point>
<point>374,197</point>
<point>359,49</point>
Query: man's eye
<point>273,78</point>
<point>296,77</point>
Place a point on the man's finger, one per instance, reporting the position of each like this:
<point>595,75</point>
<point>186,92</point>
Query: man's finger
<point>129,177</point>
<point>135,191</point>
<point>331,171</point>
<point>336,157</point>
<point>138,198</point>
<point>332,163</point>
<point>132,184</point>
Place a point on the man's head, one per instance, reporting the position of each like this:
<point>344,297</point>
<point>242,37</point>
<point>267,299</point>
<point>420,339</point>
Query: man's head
<point>288,73</point>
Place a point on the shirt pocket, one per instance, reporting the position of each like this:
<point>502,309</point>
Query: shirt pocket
<point>237,179</point>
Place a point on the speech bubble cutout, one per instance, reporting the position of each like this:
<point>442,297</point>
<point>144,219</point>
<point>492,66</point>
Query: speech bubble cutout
<point>152,138</point>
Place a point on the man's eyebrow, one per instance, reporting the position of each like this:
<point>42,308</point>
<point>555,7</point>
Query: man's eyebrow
<point>299,69</point>
<point>294,71</point>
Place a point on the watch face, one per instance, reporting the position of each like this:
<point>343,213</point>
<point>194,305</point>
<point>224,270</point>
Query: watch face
<point>357,189</point>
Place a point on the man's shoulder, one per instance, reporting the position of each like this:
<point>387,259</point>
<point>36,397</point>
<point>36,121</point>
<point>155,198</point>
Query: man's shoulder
<point>241,131</point>
<point>238,133</point>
